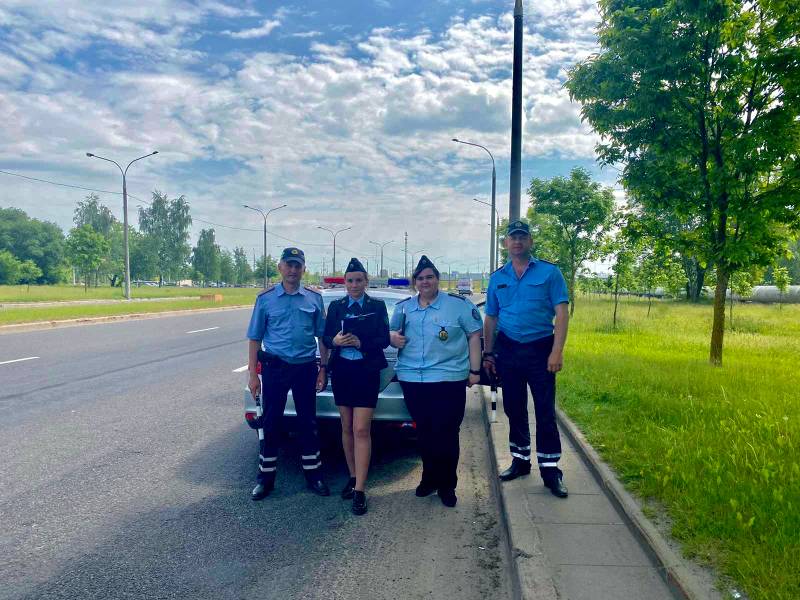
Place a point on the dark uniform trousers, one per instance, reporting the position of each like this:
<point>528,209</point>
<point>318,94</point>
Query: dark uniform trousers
<point>438,409</point>
<point>519,366</point>
<point>277,378</point>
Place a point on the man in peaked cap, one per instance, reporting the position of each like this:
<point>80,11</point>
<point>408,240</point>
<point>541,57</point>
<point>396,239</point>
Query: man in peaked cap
<point>523,297</point>
<point>285,320</point>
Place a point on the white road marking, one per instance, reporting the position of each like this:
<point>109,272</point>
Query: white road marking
<point>6,362</point>
<point>199,330</point>
<point>240,369</point>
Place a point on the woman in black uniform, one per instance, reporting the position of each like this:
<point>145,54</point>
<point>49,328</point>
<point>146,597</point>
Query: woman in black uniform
<point>357,331</point>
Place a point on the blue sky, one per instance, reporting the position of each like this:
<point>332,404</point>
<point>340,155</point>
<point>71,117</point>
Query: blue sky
<point>342,110</point>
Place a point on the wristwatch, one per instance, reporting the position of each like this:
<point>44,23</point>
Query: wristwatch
<point>471,372</point>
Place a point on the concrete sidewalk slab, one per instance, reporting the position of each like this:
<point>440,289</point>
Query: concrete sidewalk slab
<point>583,547</point>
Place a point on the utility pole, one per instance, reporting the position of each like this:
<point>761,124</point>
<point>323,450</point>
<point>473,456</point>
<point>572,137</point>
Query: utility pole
<point>516,118</point>
<point>265,215</point>
<point>405,260</point>
<point>334,234</point>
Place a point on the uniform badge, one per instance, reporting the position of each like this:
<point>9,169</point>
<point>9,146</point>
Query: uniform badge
<point>475,314</point>
<point>443,335</point>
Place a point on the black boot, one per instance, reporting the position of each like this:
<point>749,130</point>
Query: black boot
<point>263,489</point>
<point>518,468</point>
<point>557,487</point>
<point>359,503</point>
<point>316,485</point>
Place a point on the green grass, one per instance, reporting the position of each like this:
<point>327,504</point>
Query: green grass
<point>719,447</point>
<point>55,293</point>
<point>9,316</point>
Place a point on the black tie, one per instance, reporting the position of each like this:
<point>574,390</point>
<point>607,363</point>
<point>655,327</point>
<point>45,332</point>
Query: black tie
<point>355,309</point>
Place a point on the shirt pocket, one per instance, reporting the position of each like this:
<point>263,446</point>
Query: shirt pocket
<point>533,290</point>
<point>505,295</point>
<point>306,316</point>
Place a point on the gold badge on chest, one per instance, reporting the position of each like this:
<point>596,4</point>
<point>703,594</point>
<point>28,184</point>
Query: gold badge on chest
<point>443,335</point>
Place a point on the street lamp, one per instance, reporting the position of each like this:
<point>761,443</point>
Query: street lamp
<point>413,262</point>
<point>124,214</point>
<point>265,215</point>
<point>494,239</point>
<point>334,234</point>
<point>492,250</point>
<point>382,246</point>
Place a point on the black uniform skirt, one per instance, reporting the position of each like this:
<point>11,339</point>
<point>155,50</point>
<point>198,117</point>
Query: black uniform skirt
<point>354,384</point>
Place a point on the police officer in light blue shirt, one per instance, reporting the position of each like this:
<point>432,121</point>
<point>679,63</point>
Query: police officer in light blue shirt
<point>523,298</point>
<point>438,337</point>
<point>287,320</point>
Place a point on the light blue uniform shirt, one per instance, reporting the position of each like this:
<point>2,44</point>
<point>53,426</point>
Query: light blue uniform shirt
<point>426,357</point>
<point>348,352</point>
<point>286,324</point>
<point>525,306</point>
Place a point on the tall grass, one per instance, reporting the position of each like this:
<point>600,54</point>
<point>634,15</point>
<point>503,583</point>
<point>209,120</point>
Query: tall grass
<point>718,447</point>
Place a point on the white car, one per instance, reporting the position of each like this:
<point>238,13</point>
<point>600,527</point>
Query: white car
<point>391,405</point>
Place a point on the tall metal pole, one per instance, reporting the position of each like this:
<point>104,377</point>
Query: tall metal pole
<point>493,264</point>
<point>493,238</point>
<point>124,214</point>
<point>265,215</point>
<point>382,247</point>
<point>334,234</point>
<point>516,118</point>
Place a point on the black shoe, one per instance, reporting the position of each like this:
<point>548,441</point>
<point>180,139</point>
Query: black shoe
<point>448,498</point>
<point>518,468</point>
<point>261,491</point>
<point>359,503</point>
<point>347,490</point>
<point>423,489</point>
<point>318,487</point>
<point>557,487</point>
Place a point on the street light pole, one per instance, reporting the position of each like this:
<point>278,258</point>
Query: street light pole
<point>334,234</point>
<point>493,249</point>
<point>382,246</point>
<point>265,215</point>
<point>124,214</point>
<point>492,267</point>
<point>413,264</point>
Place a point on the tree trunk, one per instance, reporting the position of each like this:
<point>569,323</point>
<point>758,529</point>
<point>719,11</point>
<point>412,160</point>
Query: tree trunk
<point>616,299</point>
<point>718,328</point>
<point>572,295</point>
<point>731,312</point>
<point>649,302</point>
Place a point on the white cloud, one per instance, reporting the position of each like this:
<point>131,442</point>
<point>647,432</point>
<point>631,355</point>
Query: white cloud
<point>257,32</point>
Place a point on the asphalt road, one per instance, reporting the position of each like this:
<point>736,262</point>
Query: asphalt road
<point>126,470</point>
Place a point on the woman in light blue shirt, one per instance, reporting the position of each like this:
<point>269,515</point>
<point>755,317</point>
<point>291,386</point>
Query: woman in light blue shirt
<point>439,355</point>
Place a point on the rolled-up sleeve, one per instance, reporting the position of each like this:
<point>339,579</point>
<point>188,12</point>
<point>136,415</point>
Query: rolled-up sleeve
<point>558,288</point>
<point>319,317</point>
<point>492,307</point>
<point>258,322</point>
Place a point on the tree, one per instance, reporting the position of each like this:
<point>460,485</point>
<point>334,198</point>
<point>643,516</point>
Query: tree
<point>29,273</point>
<point>168,222</point>
<point>780,276</point>
<point>90,212</point>
<point>144,255</point>
<point>700,103</point>
<point>205,257</point>
<point>85,249</point>
<point>655,270</point>
<point>571,218</point>
<point>272,268</point>
<point>741,284</point>
<point>31,239</point>
<point>10,268</point>
<point>227,271</point>
<point>243,272</point>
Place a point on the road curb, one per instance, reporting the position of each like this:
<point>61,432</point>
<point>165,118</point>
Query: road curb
<point>681,581</point>
<point>525,566</point>
<point>58,324</point>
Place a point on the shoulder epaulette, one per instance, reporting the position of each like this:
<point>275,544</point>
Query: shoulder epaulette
<point>403,300</point>
<point>459,296</point>
<point>310,289</point>
<point>266,291</point>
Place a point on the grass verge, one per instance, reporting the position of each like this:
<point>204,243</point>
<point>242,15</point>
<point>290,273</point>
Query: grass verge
<point>55,293</point>
<point>12,316</point>
<point>719,447</point>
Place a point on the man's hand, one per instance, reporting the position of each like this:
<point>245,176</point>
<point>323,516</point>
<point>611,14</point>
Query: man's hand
<point>490,365</point>
<point>473,379</point>
<point>254,384</point>
<point>322,379</point>
<point>397,339</point>
<point>555,361</point>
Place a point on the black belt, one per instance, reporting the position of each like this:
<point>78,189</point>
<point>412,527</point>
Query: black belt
<point>273,360</point>
<point>504,340</point>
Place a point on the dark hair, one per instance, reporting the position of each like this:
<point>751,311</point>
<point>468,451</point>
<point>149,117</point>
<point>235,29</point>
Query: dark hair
<point>417,271</point>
